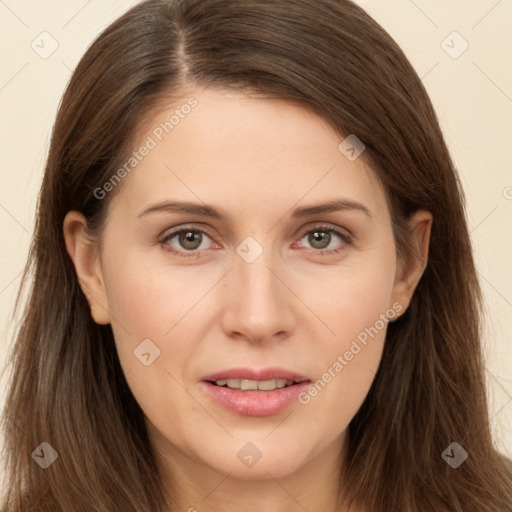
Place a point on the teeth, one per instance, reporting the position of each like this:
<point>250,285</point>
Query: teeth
<point>248,384</point>
<point>262,385</point>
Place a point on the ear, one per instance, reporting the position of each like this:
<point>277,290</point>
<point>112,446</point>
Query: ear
<point>84,253</point>
<point>409,273</point>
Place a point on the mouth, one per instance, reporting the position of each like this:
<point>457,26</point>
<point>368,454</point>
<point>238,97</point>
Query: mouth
<point>250,392</point>
<point>254,385</point>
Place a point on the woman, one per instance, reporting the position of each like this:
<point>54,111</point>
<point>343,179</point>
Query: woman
<point>253,285</point>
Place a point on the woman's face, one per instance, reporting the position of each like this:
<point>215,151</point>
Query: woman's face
<point>263,284</point>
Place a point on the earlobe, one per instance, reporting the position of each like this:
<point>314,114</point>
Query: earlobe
<point>409,273</point>
<point>84,254</point>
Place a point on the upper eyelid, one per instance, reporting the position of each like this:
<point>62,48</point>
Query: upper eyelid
<point>172,232</point>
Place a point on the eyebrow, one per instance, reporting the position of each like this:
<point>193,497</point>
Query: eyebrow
<point>217,213</point>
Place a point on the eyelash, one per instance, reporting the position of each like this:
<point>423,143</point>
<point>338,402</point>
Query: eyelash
<point>347,239</point>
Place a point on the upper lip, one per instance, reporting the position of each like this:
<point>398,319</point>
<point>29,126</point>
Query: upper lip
<point>253,374</point>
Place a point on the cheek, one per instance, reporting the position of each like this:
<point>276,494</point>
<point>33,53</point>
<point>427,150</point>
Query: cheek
<point>353,304</point>
<point>163,304</point>
<point>149,300</point>
<point>152,308</point>
<point>351,297</point>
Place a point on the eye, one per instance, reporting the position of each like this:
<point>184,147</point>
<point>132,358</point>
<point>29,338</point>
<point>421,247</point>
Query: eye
<point>189,240</point>
<point>320,239</point>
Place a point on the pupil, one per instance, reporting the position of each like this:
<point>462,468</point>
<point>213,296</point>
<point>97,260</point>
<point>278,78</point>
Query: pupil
<point>319,236</point>
<point>188,240</point>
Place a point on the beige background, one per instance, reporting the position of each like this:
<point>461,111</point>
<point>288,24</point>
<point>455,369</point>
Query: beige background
<point>471,93</point>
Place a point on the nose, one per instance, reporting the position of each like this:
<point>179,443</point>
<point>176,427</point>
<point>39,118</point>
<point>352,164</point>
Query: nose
<point>259,304</point>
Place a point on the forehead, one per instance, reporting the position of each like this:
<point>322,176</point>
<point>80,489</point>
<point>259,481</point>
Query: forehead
<point>232,149</point>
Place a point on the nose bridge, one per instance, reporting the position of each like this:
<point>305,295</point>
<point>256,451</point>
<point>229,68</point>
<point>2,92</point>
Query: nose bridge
<point>258,305</point>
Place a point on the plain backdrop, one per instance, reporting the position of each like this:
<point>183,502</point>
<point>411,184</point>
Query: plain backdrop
<point>461,49</point>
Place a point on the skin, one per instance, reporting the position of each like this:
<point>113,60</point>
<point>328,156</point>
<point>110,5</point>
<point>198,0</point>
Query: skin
<point>292,307</point>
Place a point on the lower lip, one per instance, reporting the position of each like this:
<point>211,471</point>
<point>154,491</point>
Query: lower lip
<point>254,402</point>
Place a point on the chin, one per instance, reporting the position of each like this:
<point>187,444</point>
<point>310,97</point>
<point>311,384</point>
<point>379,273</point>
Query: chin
<point>257,460</point>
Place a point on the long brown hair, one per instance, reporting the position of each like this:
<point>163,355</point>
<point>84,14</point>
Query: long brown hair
<point>67,387</point>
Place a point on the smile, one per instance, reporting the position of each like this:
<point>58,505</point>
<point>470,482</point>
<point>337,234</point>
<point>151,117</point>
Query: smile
<point>246,384</point>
